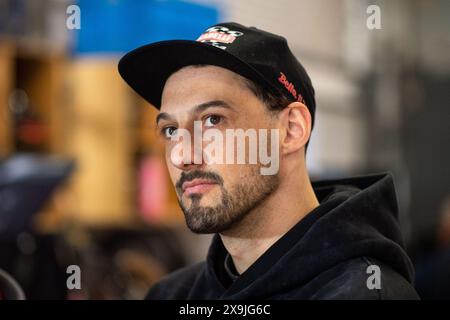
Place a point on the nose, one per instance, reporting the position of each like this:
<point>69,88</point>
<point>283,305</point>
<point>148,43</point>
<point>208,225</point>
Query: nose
<point>187,152</point>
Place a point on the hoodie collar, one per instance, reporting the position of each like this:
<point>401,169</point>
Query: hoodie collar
<point>356,217</point>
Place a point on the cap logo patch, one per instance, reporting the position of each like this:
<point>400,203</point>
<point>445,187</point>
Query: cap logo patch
<point>219,36</point>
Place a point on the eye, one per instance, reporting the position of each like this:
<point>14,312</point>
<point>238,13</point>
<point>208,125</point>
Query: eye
<point>212,120</point>
<point>168,132</point>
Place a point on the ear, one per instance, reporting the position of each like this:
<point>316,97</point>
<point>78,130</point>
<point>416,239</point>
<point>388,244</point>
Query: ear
<point>296,125</point>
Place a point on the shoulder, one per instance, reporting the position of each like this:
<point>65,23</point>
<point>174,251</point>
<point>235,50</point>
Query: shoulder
<point>364,278</point>
<point>177,284</point>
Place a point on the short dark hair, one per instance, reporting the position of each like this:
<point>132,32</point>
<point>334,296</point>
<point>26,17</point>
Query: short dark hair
<point>274,102</point>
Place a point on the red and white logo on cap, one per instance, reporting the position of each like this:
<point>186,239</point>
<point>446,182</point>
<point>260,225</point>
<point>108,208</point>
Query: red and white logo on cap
<point>219,36</point>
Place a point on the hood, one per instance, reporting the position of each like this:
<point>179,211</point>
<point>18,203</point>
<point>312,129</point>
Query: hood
<point>356,217</point>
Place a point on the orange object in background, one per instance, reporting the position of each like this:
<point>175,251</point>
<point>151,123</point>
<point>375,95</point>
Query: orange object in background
<point>32,132</point>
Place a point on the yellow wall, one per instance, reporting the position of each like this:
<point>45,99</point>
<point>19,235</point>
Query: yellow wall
<point>6,81</point>
<point>100,141</point>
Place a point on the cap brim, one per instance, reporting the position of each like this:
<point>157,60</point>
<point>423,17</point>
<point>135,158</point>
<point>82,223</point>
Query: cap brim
<point>147,68</point>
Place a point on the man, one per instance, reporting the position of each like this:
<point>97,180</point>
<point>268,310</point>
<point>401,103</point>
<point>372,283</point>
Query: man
<point>277,235</point>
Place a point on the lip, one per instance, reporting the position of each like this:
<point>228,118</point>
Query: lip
<point>197,186</point>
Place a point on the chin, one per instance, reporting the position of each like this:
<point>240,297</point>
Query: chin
<point>208,199</point>
<point>199,202</point>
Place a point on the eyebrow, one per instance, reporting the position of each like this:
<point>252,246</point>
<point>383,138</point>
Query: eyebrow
<point>197,109</point>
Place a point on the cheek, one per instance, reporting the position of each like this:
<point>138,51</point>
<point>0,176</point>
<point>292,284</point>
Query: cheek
<point>174,155</point>
<point>167,151</point>
<point>174,172</point>
<point>234,174</point>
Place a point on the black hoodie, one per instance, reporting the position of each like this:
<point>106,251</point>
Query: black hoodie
<point>326,255</point>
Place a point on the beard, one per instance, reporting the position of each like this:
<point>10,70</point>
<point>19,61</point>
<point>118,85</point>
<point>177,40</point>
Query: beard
<point>234,204</point>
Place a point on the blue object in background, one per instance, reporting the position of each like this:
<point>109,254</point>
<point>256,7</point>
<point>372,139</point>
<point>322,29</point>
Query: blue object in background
<point>117,26</point>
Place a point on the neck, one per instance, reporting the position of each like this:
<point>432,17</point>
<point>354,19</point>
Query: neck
<point>267,223</point>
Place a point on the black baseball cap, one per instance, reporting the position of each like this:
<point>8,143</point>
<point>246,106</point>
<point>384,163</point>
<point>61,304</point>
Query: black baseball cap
<point>258,55</point>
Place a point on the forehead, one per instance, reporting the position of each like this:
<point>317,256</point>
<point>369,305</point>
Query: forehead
<point>196,84</point>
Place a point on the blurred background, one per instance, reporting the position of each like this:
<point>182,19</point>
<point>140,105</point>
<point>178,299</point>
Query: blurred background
<point>83,181</point>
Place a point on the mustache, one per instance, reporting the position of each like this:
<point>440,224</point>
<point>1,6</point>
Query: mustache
<point>197,174</point>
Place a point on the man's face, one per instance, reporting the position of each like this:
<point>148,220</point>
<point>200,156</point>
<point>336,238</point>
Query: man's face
<point>213,196</point>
